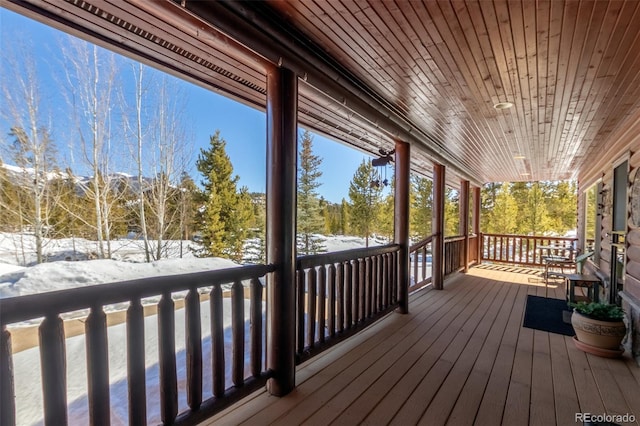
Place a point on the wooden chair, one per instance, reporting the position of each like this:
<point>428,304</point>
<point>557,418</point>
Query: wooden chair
<point>575,265</point>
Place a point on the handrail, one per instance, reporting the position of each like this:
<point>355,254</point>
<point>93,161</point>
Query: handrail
<point>423,242</point>
<point>22,308</point>
<point>309,261</point>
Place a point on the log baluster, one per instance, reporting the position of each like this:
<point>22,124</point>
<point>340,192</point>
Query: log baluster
<point>368,279</point>
<point>362,285</point>
<point>136,376</point>
<point>97,366</point>
<point>300,287</point>
<point>322,303</point>
<point>374,282</point>
<point>193,329</point>
<point>332,283</point>
<point>311,306</point>
<point>385,281</point>
<point>424,263</point>
<point>54,370</point>
<point>237,329</point>
<point>217,341</point>
<point>256,327</point>
<point>167,359</point>
<point>7,386</point>
<point>340,281</point>
<point>348,294</point>
<point>355,291</point>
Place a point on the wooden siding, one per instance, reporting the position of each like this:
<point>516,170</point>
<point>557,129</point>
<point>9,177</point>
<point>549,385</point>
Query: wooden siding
<point>460,357</point>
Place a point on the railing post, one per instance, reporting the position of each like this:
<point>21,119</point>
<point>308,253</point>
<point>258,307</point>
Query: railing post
<point>282,99</point>
<point>401,223</point>
<point>476,222</point>
<point>464,222</point>
<point>437,226</point>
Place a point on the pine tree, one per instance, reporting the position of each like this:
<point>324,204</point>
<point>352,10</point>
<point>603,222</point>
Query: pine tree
<point>535,216</point>
<point>255,248</point>
<point>223,221</point>
<point>502,217</point>
<point>451,212</point>
<point>309,221</point>
<point>385,223</point>
<point>365,199</point>
<point>421,206</point>
<point>562,205</point>
<point>344,218</point>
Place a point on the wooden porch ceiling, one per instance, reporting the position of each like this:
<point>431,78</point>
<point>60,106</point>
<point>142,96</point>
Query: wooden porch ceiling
<point>426,72</point>
<point>461,357</point>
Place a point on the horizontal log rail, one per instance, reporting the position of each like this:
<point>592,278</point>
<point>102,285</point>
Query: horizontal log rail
<point>453,254</point>
<point>94,298</point>
<point>525,250</point>
<point>420,262</point>
<point>340,293</point>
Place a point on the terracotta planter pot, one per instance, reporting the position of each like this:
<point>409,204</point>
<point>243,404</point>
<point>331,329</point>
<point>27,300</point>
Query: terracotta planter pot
<point>600,334</point>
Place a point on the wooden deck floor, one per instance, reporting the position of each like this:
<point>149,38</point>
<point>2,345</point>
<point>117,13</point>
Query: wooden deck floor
<point>460,357</point>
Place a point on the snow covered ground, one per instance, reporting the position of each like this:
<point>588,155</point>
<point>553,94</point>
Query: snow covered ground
<point>16,250</point>
<point>127,262</point>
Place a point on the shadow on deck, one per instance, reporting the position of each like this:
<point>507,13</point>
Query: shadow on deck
<point>460,357</point>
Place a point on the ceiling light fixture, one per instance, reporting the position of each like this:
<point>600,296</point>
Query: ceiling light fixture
<point>503,105</point>
<point>519,157</point>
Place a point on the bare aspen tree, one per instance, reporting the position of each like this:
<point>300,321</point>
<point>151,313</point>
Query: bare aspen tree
<point>156,135</point>
<point>137,128</point>
<point>91,75</point>
<point>169,160</point>
<point>31,146</point>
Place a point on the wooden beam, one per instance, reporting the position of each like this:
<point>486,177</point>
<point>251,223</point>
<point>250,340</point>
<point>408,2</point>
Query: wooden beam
<point>464,221</point>
<point>437,226</point>
<point>282,104</point>
<point>401,224</point>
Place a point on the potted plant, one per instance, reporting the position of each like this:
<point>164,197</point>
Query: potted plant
<point>599,327</point>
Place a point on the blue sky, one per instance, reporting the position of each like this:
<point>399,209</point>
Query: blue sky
<point>242,127</point>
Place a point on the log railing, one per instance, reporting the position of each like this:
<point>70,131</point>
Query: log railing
<point>342,292</point>
<point>474,255</point>
<point>525,250</point>
<point>94,298</point>
<point>420,262</point>
<point>453,254</point>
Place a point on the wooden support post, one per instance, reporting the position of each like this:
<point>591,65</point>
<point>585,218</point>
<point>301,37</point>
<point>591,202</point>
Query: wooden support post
<point>282,105</point>
<point>437,227</point>
<point>464,221</point>
<point>477,202</point>
<point>401,222</point>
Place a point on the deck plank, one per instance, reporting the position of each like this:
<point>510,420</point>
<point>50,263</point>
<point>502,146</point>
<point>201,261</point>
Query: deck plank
<point>369,399</point>
<point>460,357</point>
<point>439,360</point>
<point>495,395</point>
<point>518,395</point>
<point>444,401</point>
<point>468,402</point>
<point>564,391</point>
